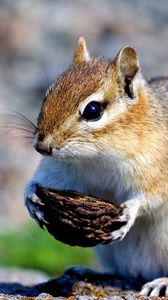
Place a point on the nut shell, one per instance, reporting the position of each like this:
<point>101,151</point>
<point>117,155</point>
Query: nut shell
<point>78,220</point>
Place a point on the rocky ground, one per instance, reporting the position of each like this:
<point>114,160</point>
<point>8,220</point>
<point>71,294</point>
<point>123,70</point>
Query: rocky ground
<point>68,288</point>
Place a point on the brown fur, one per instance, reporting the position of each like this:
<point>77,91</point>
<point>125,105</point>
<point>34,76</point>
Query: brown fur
<point>139,134</point>
<point>70,89</point>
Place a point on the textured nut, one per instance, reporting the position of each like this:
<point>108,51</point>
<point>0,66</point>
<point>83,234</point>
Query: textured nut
<point>77,219</point>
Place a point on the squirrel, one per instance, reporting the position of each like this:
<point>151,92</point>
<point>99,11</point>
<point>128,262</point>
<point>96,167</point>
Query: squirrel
<point>102,130</point>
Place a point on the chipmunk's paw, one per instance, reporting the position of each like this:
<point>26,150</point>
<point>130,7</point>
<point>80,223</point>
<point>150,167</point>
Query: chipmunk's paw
<point>126,223</point>
<point>127,218</point>
<point>33,204</point>
<point>157,287</point>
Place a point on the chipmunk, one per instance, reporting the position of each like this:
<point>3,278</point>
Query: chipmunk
<point>102,130</point>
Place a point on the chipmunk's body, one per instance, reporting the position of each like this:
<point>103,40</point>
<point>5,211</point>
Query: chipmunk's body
<point>104,130</point>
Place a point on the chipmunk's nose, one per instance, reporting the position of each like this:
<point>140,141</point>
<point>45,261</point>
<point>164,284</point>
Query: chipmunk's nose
<point>43,149</point>
<point>41,145</point>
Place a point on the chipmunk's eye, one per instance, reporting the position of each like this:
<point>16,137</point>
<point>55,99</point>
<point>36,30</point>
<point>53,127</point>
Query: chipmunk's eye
<point>93,111</point>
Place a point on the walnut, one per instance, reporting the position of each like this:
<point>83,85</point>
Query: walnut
<point>78,220</point>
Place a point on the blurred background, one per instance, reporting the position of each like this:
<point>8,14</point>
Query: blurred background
<point>37,41</point>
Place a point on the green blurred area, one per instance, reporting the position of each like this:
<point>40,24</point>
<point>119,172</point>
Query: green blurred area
<point>32,247</point>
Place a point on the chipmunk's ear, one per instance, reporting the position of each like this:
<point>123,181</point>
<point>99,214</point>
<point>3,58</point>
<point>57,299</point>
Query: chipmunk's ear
<point>127,66</point>
<point>81,53</point>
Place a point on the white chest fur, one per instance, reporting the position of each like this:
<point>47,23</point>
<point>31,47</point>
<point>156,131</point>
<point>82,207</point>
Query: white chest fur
<point>91,177</point>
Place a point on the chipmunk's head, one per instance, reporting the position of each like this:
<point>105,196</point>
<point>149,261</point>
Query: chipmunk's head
<point>87,110</point>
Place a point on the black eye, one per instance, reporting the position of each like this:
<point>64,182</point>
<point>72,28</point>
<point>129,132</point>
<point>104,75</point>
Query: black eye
<point>93,111</point>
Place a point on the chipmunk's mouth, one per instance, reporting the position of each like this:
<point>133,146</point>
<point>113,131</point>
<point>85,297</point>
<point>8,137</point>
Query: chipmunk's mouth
<point>49,151</point>
<point>71,150</point>
<point>65,153</point>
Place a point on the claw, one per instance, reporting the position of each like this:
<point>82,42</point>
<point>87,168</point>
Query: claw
<point>119,234</point>
<point>126,223</point>
<point>40,216</point>
<point>155,288</point>
<point>33,204</point>
<point>124,217</point>
<point>36,200</point>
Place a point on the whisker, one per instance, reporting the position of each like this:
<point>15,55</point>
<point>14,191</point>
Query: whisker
<point>12,114</point>
<point>17,127</point>
<point>18,119</point>
<point>20,140</point>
